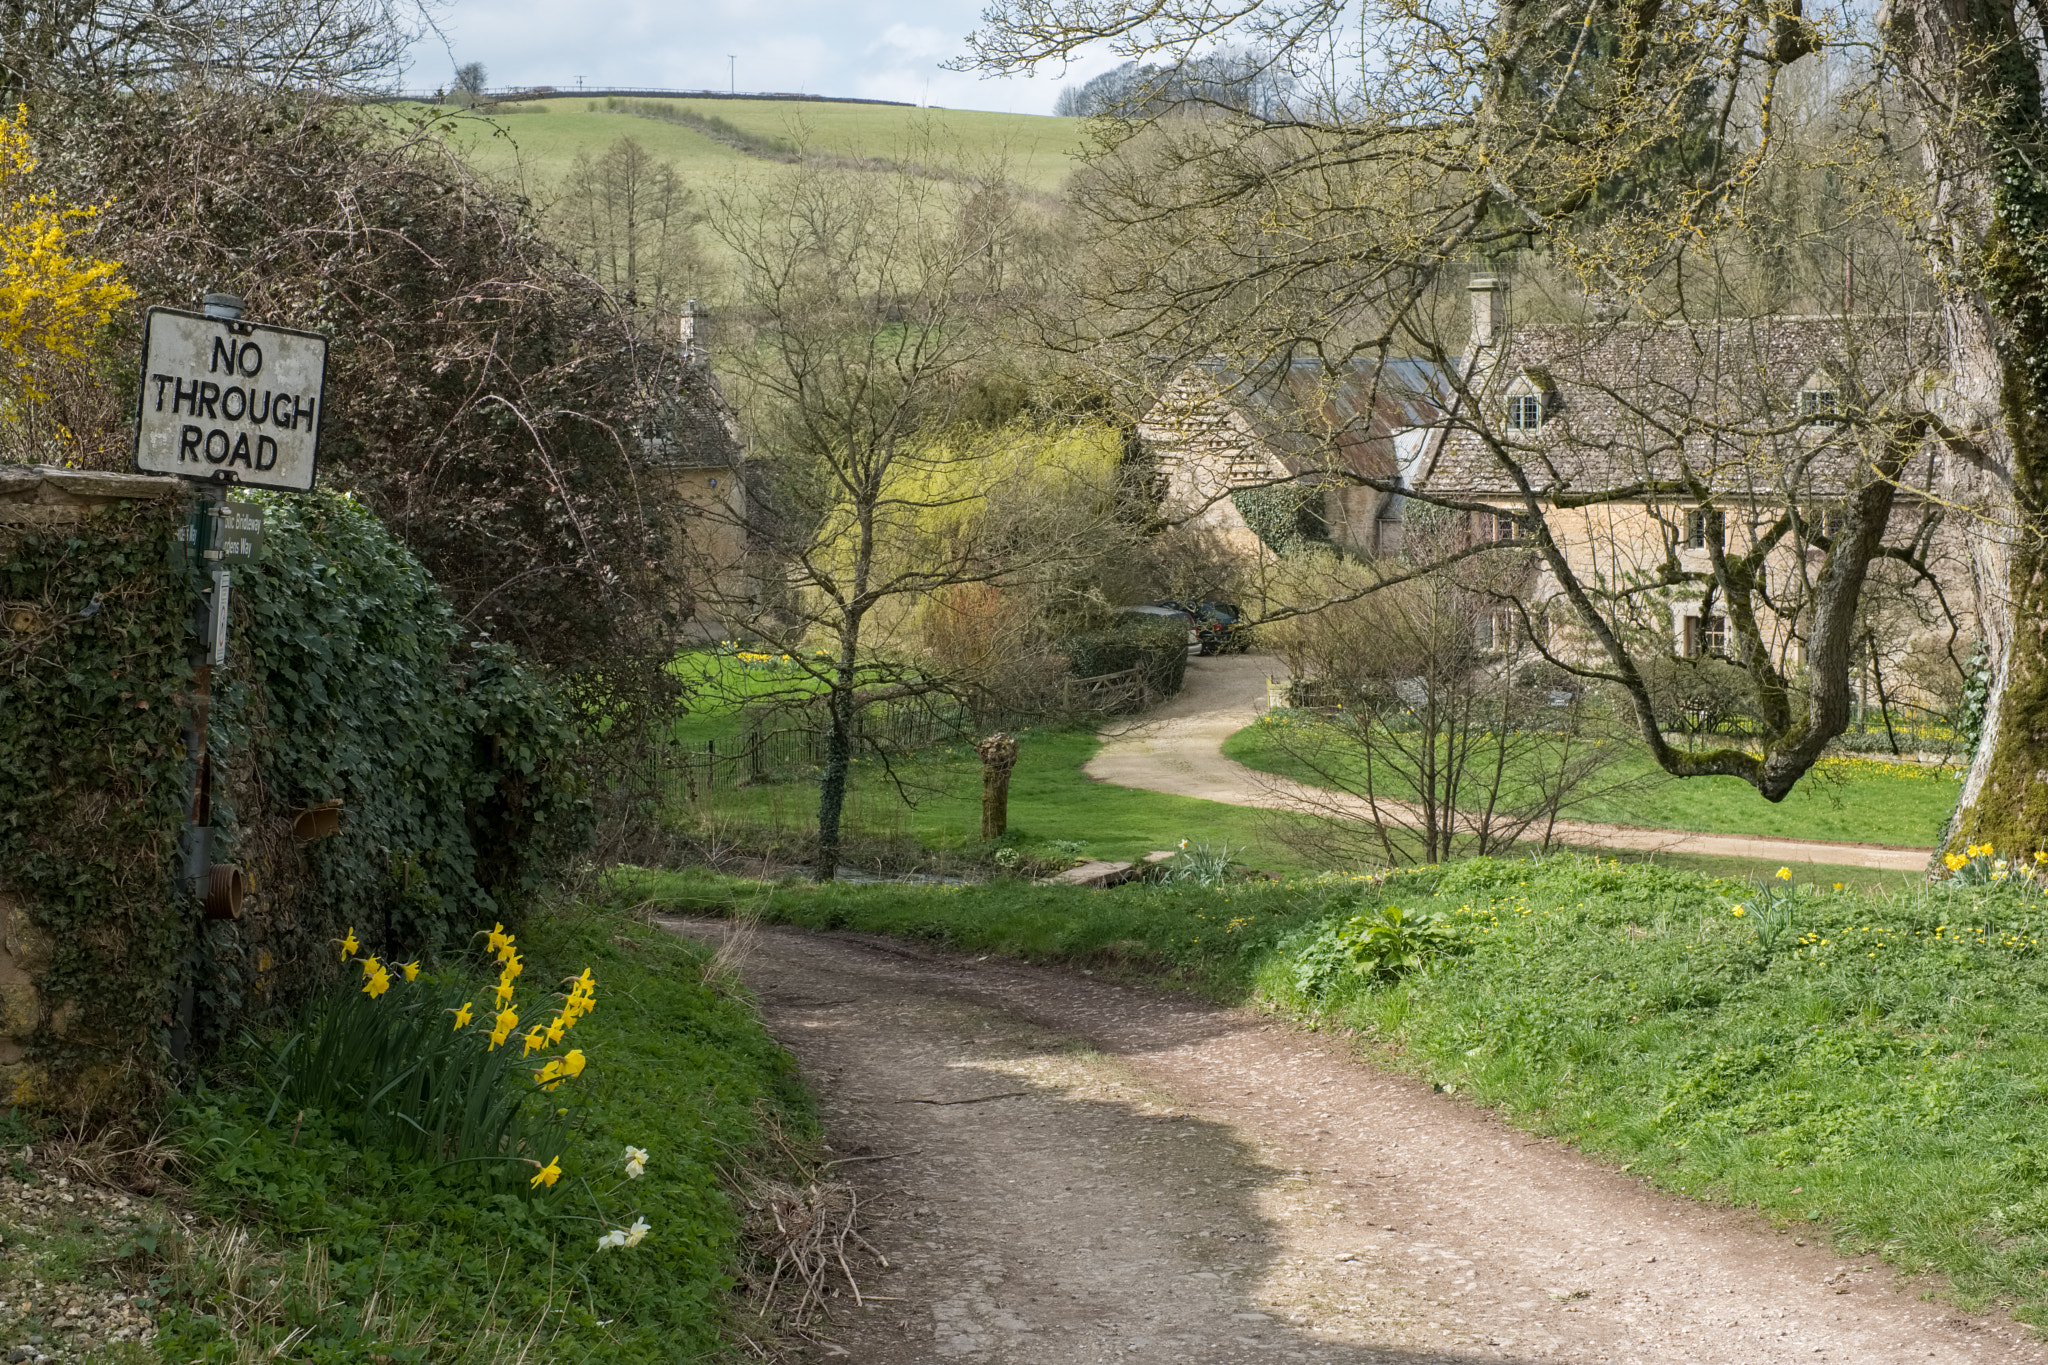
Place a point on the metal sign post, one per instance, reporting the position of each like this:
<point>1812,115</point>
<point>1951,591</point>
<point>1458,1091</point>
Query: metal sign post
<point>223,403</point>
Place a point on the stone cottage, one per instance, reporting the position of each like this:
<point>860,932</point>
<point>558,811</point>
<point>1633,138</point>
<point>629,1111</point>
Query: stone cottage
<point>692,462</point>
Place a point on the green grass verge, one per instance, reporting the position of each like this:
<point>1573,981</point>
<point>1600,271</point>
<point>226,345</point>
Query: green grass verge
<point>1856,799</point>
<point>1876,1073</point>
<point>366,1257</point>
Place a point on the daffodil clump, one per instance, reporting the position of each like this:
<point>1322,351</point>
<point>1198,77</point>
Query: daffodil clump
<point>1980,865</point>
<point>557,1067</point>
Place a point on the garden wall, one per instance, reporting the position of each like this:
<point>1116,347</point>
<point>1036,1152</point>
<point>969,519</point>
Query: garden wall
<point>348,680</point>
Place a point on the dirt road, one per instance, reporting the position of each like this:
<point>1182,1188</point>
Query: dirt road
<point>1077,1171</point>
<point>1177,748</point>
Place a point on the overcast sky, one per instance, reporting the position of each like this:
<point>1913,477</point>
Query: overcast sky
<point>872,49</point>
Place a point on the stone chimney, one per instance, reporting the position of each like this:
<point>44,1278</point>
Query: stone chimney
<point>693,328</point>
<point>1489,309</point>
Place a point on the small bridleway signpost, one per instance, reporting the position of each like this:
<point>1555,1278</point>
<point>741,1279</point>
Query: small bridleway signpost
<point>224,403</point>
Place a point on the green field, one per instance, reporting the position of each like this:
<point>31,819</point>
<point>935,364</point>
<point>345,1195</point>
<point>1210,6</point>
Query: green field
<point>535,145</point>
<point>1854,799</point>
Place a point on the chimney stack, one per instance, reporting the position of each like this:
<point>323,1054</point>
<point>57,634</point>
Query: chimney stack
<point>1489,309</point>
<point>692,330</point>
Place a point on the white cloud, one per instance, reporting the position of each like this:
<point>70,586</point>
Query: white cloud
<point>867,49</point>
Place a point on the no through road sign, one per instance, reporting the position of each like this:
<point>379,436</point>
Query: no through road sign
<point>223,397</point>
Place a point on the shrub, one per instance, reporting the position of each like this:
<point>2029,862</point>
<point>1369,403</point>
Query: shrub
<point>1159,646</point>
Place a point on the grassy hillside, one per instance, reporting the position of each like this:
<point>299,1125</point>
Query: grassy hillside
<point>538,140</point>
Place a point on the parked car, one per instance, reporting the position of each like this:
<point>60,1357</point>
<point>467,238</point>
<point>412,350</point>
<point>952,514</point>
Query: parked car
<point>1218,626</point>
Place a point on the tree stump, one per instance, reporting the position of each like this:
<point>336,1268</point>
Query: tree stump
<point>998,756</point>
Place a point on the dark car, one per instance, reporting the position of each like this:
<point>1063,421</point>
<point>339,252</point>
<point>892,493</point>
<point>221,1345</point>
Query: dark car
<point>1219,627</point>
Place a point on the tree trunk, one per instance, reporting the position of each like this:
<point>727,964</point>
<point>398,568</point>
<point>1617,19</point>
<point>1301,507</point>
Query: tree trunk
<point>998,757</point>
<point>840,712</point>
<point>1979,102</point>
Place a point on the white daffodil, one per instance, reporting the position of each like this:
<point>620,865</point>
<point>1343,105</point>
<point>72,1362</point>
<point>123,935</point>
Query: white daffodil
<point>637,1232</point>
<point>615,1238</point>
<point>636,1162</point>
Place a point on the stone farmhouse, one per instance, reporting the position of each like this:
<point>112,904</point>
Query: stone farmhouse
<point>1597,416</point>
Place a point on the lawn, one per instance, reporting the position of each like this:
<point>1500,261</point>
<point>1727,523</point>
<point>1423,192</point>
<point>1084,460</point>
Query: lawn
<point>1855,799</point>
<point>1867,1067</point>
<point>931,800</point>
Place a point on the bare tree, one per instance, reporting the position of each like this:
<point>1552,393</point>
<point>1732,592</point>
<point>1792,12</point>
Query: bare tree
<point>630,220</point>
<point>470,79</point>
<point>865,301</point>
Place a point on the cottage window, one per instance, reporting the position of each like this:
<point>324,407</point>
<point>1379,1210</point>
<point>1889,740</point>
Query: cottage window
<point>1525,412</point>
<point>1823,405</point>
<point>1705,635</point>
<point>1500,630</point>
<point>1701,522</point>
<point>1497,527</point>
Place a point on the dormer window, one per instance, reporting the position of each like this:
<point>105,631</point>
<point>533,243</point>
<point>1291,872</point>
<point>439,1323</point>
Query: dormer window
<point>1531,401</point>
<point>1821,404</point>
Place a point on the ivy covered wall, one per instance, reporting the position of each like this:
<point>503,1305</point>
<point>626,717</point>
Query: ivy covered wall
<point>348,679</point>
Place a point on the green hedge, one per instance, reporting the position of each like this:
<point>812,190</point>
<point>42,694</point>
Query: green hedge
<point>348,678</point>
<point>1156,644</point>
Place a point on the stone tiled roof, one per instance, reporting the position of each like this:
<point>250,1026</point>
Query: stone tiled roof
<point>1311,416</point>
<point>1628,401</point>
<point>697,429</point>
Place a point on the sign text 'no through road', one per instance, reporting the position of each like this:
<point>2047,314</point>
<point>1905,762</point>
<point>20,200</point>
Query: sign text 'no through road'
<point>239,398</point>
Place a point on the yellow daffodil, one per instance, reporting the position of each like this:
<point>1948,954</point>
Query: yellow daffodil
<point>556,1028</point>
<point>1738,912</point>
<point>513,967</point>
<point>412,970</point>
<point>1784,874</point>
<point>503,990</point>
<point>497,938</point>
<point>1955,861</point>
<point>502,1027</point>
<point>379,982</point>
<point>463,1016</point>
<point>1838,886</point>
<point>536,1039</point>
<point>548,1174</point>
<point>572,1062</point>
<point>549,1076</point>
<point>349,946</point>
<point>507,954</point>
<point>371,966</point>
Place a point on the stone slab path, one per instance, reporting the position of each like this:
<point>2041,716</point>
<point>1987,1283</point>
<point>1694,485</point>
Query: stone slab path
<point>1065,1171</point>
<point>1176,748</point>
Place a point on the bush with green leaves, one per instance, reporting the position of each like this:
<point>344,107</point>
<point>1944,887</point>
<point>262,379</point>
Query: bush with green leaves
<point>348,679</point>
<point>1380,945</point>
<point>1158,645</point>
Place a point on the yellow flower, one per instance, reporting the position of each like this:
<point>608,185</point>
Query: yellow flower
<point>549,1174</point>
<point>556,1028</point>
<point>1737,912</point>
<point>513,967</point>
<point>503,990</point>
<point>1955,861</point>
<point>463,1016</point>
<point>349,946</point>
<point>1838,886</point>
<point>549,1076</point>
<point>572,1063</point>
<point>371,966</point>
<point>536,1039</point>
<point>1784,874</point>
<point>379,982</point>
<point>509,955</point>
<point>412,970</point>
<point>502,1027</point>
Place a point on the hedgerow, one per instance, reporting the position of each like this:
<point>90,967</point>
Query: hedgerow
<point>348,678</point>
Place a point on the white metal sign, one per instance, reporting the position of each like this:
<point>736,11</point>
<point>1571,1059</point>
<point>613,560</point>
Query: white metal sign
<point>221,397</point>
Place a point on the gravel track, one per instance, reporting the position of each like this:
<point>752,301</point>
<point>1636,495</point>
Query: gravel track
<point>1075,1171</point>
<point>1176,748</point>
